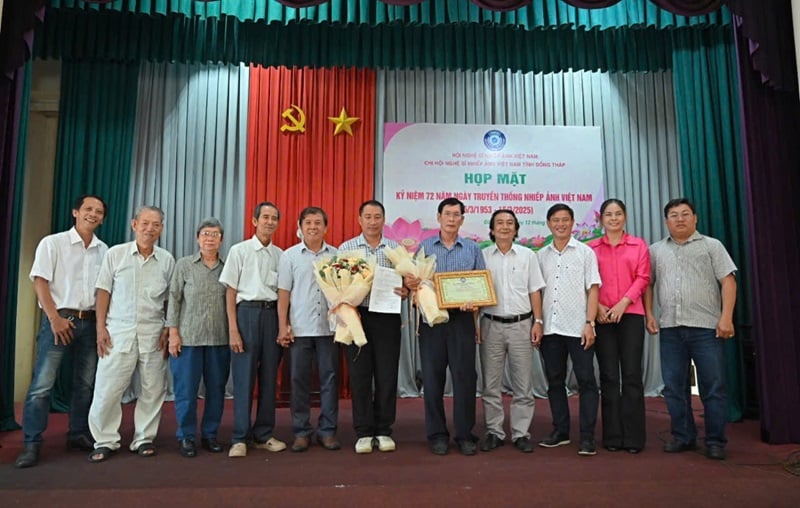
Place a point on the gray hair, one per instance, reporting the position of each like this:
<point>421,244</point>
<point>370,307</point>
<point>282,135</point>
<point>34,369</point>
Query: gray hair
<point>210,222</point>
<point>151,208</point>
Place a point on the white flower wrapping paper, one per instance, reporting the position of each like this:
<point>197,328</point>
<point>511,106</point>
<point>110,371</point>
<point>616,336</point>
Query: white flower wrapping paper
<point>422,267</point>
<point>346,279</point>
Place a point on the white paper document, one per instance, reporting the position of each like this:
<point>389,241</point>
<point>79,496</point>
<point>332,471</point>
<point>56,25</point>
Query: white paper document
<point>382,298</point>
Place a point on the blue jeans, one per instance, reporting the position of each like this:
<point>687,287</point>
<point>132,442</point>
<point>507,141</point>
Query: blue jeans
<point>213,364</point>
<point>326,352</point>
<point>84,365</point>
<point>679,345</point>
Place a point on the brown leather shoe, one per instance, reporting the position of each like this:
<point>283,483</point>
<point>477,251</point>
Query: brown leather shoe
<point>329,442</point>
<point>300,444</point>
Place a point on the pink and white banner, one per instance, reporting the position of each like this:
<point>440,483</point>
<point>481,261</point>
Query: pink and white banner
<point>518,167</point>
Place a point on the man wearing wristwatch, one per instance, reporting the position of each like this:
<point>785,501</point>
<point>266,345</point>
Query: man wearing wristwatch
<point>569,304</point>
<point>510,330</point>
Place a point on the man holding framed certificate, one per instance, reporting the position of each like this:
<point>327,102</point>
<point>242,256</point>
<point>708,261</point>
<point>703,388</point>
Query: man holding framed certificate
<point>452,343</point>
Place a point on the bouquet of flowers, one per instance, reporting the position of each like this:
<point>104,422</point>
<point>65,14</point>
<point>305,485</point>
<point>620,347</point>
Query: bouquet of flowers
<point>345,280</point>
<point>421,267</point>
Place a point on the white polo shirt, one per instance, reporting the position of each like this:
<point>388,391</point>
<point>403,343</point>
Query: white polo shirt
<point>69,268</point>
<point>515,274</point>
<point>252,270</point>
<point>139,287</point>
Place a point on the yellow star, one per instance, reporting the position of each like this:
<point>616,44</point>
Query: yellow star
<point>343,122</point>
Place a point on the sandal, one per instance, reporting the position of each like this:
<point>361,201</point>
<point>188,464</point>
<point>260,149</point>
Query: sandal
<point>145,450</point>
<point>100,454</point>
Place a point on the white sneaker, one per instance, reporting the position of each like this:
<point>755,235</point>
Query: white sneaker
<point>273,444</point>
<point>385,443</point>
<point>238,450</point>
<point>364,445</point>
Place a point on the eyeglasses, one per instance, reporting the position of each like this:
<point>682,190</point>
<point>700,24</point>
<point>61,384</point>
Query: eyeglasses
<point>676,216</point>
<point>451,215</point>
<point>210,234</point>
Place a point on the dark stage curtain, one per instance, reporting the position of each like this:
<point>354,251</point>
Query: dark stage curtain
<point>19,20</point>
<point>771,118</point>
<point>708,125</point>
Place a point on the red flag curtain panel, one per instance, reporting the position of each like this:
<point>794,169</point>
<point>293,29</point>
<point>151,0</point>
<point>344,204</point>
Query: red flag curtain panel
<point>311,142</point>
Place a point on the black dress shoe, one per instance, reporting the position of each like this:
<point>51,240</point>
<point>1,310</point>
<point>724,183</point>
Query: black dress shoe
<point>715,452</point>
<point>612,448</point>
<point>211,445</point>
<point>83,443</point>
<point>524,445</point>
<point>29,456</point>
<point>188,448</point>
<point>491,442</point>
<point>439,447</point>
<point>468,447</point>
<point>633,450</point>
<point>678,447</point>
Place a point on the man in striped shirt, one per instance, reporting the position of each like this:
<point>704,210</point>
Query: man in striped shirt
<point>694,280</point>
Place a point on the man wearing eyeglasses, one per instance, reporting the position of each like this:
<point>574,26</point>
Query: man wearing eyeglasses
<point>694,280</point>
<point>450,344</point>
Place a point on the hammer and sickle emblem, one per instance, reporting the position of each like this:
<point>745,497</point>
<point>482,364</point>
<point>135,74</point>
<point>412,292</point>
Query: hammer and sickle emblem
<point>297,124</point>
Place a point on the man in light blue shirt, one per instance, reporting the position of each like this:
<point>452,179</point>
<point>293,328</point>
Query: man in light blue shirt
<point>303,327</point>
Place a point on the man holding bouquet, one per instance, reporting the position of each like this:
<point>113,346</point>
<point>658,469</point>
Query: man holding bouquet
<point>452,343</point>
<point>377,361</point>
<point>304,328</point>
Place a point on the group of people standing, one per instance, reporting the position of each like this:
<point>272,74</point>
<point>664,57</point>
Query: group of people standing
<point>132,306</point>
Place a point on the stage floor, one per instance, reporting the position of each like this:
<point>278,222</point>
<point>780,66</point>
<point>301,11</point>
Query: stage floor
<point>754,475</point>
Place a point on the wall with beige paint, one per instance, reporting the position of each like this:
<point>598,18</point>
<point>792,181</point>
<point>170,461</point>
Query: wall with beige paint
<point>36,209</point>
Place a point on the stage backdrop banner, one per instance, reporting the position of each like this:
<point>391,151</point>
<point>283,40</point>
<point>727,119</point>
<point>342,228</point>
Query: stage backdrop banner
<point>523,168</point>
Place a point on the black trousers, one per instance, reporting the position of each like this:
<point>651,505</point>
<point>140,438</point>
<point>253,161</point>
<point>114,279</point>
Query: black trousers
<point>555,350</point>
<point>619,349</point>
<point>449,344</point>
<point>376,362</point>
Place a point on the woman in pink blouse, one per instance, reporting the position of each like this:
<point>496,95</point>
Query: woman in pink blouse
<point>624,262</point>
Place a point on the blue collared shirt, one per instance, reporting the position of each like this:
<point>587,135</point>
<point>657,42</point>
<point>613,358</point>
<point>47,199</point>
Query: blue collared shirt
<point>464,255</point>
<point>308,308</point>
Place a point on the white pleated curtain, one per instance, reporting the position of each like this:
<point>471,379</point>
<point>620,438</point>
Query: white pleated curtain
<point>190,149</point>
<point>635,111</point>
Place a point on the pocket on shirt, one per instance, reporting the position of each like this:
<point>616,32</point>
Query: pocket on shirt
<point>272,280</point>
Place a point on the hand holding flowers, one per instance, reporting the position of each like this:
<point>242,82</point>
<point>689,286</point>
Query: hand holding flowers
<point>422,267</point>
<point>346,279</point>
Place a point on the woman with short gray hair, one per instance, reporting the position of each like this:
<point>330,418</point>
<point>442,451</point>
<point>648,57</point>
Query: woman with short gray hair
<point>198,339</point>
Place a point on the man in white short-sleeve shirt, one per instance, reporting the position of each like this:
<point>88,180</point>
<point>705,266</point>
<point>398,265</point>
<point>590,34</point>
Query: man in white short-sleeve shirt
<point>132,291</point>
<point>509,331</point>
<point>570,299</point>
<point>251,277</point>
<point>63,274</point>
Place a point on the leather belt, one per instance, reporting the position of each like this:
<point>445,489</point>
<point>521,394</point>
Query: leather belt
<point>512,319</point>
<point>258,304</point>
<point>83,315</point>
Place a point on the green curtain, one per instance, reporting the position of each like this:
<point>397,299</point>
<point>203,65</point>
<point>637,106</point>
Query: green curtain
<point>706,102</point>
<point>71,34</point>
<point>97,116</point>
<point>538,14</point>
<point>7,421</point>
